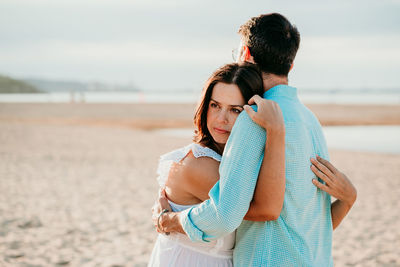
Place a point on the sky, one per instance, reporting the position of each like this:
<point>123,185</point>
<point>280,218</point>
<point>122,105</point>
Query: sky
<point>175,45</point>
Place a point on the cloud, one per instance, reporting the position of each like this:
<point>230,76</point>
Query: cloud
<point>182,42</point>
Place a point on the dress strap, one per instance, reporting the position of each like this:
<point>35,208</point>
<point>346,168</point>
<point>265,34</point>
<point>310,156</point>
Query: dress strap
<point>201,151</point>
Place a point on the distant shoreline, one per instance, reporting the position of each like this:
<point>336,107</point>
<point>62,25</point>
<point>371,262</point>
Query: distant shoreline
<point>156,116</point>
<point>350,97</point>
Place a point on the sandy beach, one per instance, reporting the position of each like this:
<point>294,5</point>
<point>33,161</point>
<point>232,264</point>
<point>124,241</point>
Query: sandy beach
<point>77,182</point>
<point>155,116</point>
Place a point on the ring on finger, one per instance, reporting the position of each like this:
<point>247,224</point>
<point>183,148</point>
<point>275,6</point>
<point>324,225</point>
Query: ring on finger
<point>158,221</point>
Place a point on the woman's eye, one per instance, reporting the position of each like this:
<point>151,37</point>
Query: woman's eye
<point>235,110</point>
<point>213,105</point>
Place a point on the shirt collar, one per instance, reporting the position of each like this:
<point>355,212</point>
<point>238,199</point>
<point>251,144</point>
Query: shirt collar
<point>281,90</point>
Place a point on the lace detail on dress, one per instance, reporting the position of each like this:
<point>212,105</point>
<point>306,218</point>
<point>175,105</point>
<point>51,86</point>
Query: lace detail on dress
<point>177,155</point>
<point>201,151</point>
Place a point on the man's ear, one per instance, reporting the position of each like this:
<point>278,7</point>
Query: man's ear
<point>291,67</point>
<point>246,56</point>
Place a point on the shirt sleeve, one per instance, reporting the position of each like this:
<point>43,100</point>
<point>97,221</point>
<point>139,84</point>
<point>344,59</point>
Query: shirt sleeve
<point>231,196</point>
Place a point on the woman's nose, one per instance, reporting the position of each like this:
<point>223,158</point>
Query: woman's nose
<point>223,116</point>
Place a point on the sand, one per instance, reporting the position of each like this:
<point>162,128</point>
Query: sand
<point>76,188</point>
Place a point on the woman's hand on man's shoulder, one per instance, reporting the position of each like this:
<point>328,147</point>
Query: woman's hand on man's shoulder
<point>268,114</point>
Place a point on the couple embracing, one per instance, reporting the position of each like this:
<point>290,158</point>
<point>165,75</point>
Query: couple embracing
<point>254,188</point>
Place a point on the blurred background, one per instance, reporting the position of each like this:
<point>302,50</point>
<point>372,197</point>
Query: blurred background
<point>93,92</point>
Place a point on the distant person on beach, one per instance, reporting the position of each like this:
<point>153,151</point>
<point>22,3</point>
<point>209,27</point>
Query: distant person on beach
<point>265,188</point>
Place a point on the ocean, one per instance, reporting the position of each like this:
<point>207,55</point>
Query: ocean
<point>390,97</point>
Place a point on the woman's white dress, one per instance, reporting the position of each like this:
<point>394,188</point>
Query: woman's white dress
<point>177,249</point>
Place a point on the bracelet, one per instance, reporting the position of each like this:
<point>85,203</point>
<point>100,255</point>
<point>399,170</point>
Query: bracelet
<point>158,219</point>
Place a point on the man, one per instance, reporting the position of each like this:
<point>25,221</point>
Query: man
<point>301,233</point>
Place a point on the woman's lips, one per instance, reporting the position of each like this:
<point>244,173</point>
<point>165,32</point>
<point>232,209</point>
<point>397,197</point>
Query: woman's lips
<point>221,131</point>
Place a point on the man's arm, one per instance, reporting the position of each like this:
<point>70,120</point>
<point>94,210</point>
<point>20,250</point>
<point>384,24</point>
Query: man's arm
<point>231,195</point>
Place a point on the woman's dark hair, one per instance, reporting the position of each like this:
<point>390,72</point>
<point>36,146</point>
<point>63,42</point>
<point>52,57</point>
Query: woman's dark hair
<point>273,42</point>
<point>246,76</point>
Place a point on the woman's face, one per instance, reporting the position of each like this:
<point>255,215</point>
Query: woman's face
<point>225,105</point>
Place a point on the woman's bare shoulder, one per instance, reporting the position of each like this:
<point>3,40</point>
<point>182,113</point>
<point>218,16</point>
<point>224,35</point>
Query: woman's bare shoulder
<point>201,168</point>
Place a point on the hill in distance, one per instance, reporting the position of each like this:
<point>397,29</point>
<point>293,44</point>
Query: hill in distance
<point>75,86</point>
<point>10,85</point>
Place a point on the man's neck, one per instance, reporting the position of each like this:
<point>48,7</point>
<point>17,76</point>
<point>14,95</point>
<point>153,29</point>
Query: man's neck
<point>271,80</point>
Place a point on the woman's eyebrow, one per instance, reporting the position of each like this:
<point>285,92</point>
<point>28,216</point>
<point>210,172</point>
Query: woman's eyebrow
<point>241,106</point>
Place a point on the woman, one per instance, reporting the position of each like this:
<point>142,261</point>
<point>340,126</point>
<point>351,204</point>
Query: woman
<point>189,173</point>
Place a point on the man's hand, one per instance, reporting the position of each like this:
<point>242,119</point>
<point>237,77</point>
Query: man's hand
<point>160,204</point>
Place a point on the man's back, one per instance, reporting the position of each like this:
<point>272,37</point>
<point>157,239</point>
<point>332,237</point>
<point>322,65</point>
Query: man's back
<point>302,235</point>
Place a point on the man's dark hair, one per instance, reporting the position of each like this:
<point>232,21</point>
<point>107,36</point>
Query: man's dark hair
<point>273,42</point>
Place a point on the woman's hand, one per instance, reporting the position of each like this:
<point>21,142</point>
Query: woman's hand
<point>269,115</point>
<point>336,183</point>
<point>160,204</point>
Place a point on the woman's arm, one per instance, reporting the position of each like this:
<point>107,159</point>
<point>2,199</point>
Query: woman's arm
<point>270,190</point>
<point>337,185</point>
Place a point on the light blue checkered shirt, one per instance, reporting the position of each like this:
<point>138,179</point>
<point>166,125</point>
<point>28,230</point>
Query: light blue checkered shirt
<point>302,235</point>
